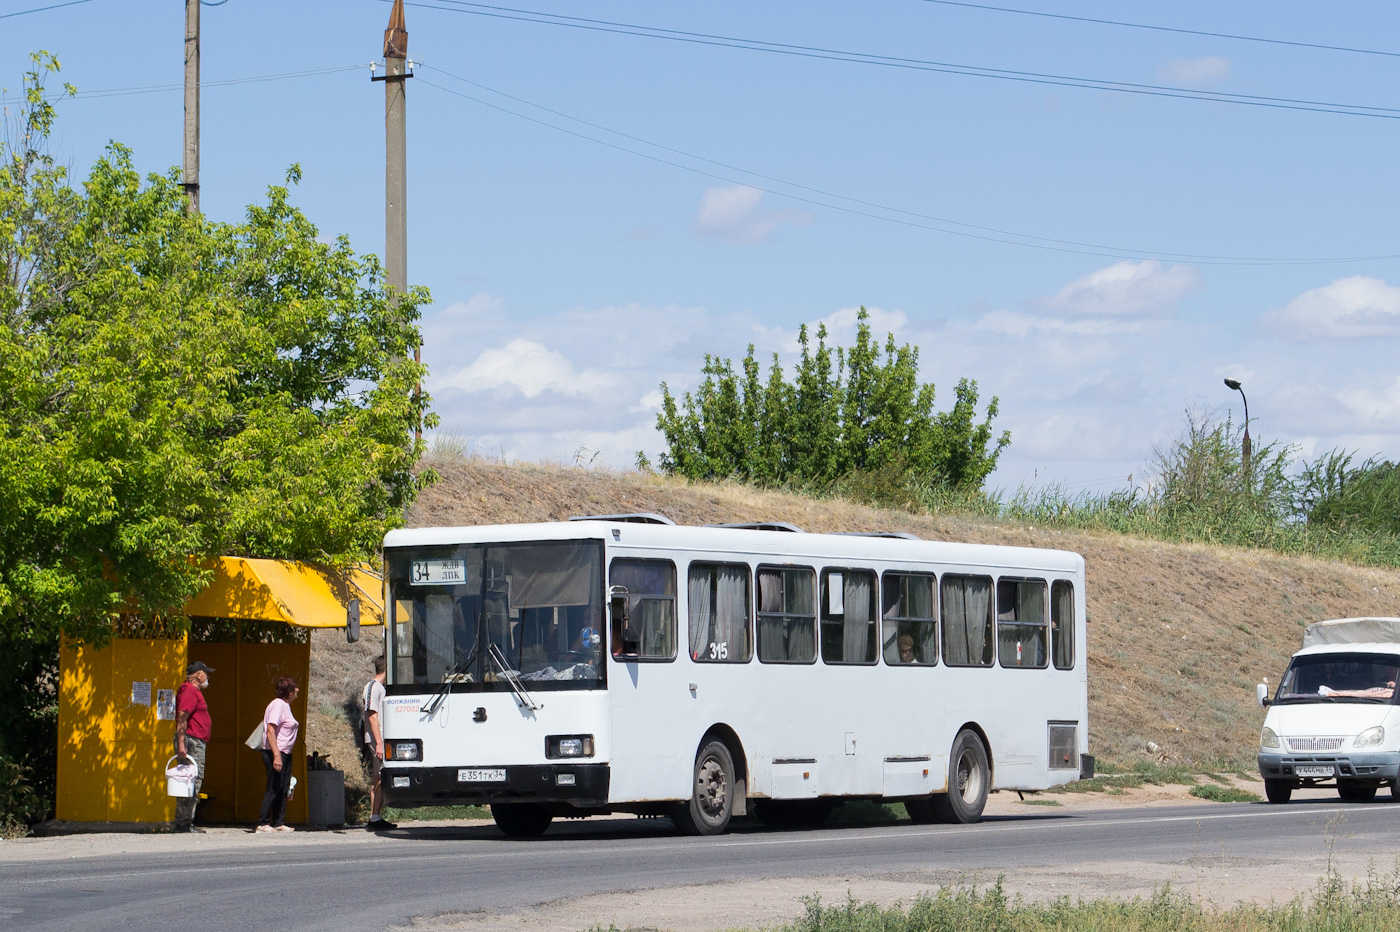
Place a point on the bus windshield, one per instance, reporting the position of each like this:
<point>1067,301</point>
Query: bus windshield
<point>477,614</point>
<point>1351,677</point>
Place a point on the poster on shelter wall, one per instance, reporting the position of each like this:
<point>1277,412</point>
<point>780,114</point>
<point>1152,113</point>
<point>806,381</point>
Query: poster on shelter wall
<point>165,705</point>
<point>141,694</point>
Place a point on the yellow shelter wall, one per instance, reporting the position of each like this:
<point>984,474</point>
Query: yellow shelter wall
<point>112,754</point>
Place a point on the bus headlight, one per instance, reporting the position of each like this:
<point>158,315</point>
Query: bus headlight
<point>408,749</point>
<point>1370,737</point>
<point>1267,738</point>
<point>557,746</point>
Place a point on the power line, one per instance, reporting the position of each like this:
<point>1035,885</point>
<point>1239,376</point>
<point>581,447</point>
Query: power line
<point>225,82</point>
<point>40,9</point>
<point>912,64</point>
<point>932,223</point>
<point>1174,29</point>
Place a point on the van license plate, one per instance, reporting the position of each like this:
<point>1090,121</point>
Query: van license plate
<point>497,775</point>
<point>1314,770</point>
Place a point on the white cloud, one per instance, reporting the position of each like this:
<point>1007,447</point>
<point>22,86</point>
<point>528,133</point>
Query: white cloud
<point>532,369</point>
<point>842,324</point>
<point>733,214</point>
<point>1195,72</point>
<point>1350,308</point>
<point>1125,290</point>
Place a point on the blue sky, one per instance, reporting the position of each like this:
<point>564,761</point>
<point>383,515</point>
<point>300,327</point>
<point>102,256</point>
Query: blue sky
<point>599,210</point>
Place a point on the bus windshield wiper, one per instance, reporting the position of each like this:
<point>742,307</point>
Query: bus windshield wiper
<point>448,679</point>
<point>493,650</point>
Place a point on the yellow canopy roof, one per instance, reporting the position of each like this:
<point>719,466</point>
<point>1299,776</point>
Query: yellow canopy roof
<point>303,594</point>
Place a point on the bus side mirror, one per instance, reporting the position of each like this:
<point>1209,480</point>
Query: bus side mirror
<point>1261,694</point>
<point>352,621</point>
<point>624,638</point>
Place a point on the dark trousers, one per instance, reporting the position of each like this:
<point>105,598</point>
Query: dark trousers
<point>274,804</point>
<point>185,806</point>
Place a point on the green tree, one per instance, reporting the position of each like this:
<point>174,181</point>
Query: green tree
<point>854,411</point>
<point>173,387</point>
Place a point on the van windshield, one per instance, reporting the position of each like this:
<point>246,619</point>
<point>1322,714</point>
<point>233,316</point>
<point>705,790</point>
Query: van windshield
<point>539,604</point>
<point>1350,677</point>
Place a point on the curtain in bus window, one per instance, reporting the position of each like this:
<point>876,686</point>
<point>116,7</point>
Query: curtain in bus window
<point>551,575</point>
<point>966,619</point>
<point>771,642</point>
<point>919,594</point>
<point>700,611</point>
<point>440,609</point>
<point>1021,625</point>
<point>651,589</point>
<point>732,615</point>
<point>858,644</point>
<point>1062,623</point>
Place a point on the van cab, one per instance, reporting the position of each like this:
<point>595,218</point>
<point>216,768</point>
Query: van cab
<point>1335,718</point>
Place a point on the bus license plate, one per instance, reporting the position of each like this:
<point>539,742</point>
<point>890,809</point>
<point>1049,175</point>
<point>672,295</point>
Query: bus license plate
<point>1314,770</point>
<point>497,775</point>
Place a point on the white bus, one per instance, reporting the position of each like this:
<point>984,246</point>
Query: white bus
<point>625,664</point>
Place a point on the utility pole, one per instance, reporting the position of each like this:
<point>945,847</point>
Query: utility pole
<point>190,180</point>
<point>395,151</point>
<point>396,166</point>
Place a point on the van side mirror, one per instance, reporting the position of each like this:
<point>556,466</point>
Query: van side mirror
<point>352,621</point>
<point>1261,694</point>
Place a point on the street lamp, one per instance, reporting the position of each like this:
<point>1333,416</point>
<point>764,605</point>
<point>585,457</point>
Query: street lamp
<point>1235,386</point>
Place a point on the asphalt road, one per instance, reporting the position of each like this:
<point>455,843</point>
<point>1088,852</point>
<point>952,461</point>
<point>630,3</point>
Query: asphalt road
<point>353,880</point>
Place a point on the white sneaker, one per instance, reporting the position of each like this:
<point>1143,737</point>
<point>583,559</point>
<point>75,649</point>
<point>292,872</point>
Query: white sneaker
<point>283,828</point>
<point>263,828</point>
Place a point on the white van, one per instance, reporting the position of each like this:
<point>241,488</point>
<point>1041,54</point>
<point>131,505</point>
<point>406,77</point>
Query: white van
<point>1335,719</point>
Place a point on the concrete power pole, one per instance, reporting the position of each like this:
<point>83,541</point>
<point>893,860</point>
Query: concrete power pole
<point>395,151</point>
<point>191,174</point>
<point>396,166</point>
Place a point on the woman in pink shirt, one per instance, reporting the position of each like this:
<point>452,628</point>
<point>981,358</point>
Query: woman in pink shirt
<point>279,736</point>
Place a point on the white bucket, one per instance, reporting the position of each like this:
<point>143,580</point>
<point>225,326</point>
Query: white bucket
<point>179,779</point>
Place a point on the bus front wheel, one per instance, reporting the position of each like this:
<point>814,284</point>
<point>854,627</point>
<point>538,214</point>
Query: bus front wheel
<point>712,793</point>
<point>521,820</point>
<point>969,779</point>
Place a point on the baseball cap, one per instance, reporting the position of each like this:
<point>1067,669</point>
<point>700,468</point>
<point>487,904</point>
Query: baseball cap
<point>196,667</point>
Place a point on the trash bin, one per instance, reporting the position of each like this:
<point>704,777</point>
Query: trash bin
<point>325,797</point>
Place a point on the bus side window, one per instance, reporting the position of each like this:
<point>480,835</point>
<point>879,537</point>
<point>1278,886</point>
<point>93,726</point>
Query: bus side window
<point>848,616</point>
<point>1021,622</point>
<point>717,606</point>
<point>1062,623</point>
<point>911,627</point>
<point>650,633</point>
<point>787,617</point>
<point>966,603</point>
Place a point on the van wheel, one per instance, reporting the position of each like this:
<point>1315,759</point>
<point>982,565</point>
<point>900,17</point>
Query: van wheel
<point>969,779</point>
<point>521,820</point>
<point>1278,791</point>
<point>1355,792</point>
<point>712,793</point>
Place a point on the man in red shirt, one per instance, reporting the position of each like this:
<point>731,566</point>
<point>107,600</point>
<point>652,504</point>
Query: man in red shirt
<point>192,729</point>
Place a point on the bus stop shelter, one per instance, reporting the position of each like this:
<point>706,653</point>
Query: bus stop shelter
<point>116,717</point>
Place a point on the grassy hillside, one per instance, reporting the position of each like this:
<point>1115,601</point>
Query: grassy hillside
<point>1178,634</point>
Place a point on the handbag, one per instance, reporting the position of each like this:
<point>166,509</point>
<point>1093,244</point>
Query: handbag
<point>255,740</point>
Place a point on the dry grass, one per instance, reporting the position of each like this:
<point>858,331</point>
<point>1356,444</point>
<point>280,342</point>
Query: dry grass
<point>1178,634</point>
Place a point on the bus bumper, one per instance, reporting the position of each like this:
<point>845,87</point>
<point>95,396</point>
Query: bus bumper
<point>581,785</point>
<point>1380,766</point>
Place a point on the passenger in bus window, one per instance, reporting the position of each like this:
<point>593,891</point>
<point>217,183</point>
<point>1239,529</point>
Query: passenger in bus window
<point>906,648</point>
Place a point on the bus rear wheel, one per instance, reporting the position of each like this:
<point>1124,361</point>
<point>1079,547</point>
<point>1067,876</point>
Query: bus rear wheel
<point>969,779</point>
<point>921,811</point>
<point>1278,791</point>
<point>711,802</point>
<point>521,820</point>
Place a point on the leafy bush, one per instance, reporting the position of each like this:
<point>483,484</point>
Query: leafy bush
<point>855,416</point>
<point>21,805</point>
